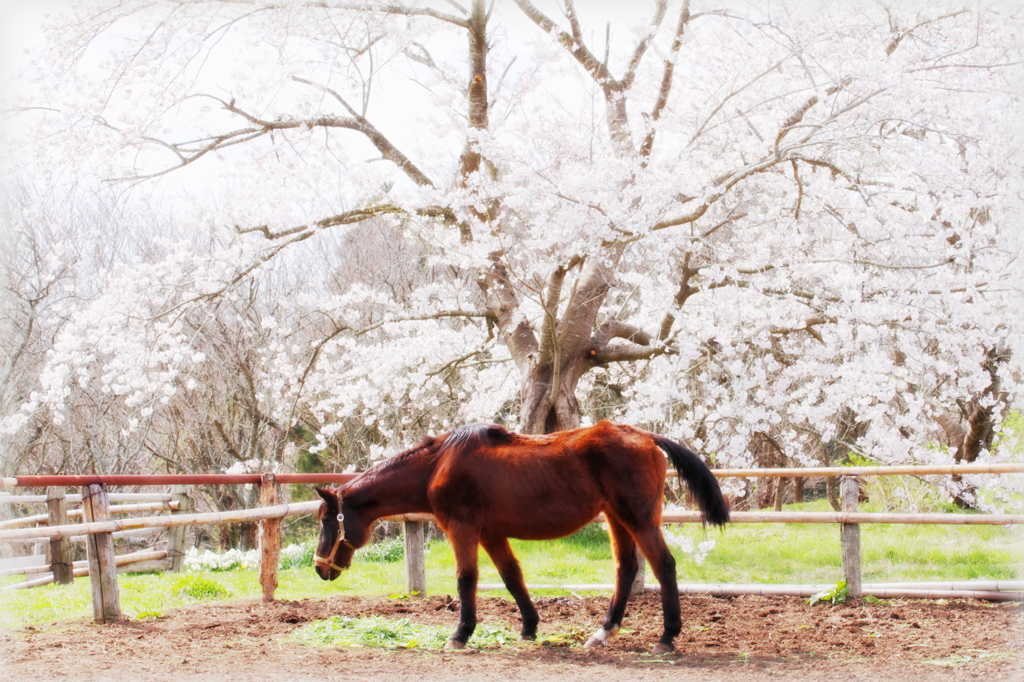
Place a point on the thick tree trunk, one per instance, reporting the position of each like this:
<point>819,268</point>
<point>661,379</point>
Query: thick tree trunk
<point>549,406</point>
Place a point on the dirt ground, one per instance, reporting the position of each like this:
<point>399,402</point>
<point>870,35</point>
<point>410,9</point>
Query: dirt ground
<point>740,639</point>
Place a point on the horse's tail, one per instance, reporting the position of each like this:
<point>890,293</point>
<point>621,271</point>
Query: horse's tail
<point>699,478</point>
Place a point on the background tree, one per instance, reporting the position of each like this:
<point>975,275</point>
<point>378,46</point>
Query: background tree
<point>738,225</point>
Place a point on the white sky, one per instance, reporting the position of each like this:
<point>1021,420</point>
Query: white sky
<point>20,24</point>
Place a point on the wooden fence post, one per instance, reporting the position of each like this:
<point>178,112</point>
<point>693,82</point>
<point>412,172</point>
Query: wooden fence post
<point>106,601</point>
<point>176,534</point>
<point>60,548</point>
<point>415,563</point>
<point>849,538</point>
<point>270,538</point>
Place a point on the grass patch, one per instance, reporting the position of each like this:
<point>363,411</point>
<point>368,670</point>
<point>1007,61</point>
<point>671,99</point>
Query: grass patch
<point>387,551</point>
<point>199,587</point>
<point>386,633</point>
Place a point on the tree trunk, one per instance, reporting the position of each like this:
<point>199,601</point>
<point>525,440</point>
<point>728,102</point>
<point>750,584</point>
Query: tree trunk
<point>980,427</point>
<point>549,406</point>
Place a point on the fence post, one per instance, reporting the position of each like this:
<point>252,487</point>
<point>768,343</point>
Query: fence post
<point>270,538</point>
<point>60,547</point>
<point>106,601</point>
<point>176,534</point>
<point>849,538</point>
<point>415,564</point>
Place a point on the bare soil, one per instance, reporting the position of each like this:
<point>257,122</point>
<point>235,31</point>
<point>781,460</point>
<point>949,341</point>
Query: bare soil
<point>740,639</point>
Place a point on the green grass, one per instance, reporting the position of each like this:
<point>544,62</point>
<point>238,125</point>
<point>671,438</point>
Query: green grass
<point>387,633</point>
<point>401,633</point>
<point>743,553</point>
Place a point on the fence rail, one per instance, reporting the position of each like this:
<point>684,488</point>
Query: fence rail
<point>254,479</point>
<point>99,529</point>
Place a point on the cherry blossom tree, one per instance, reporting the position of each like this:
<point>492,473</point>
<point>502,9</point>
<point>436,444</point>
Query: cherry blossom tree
<point>764,229</point>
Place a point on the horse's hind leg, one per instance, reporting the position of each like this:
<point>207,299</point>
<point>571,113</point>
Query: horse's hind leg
<point>512,575</point>
<point>652,544</point>
<point>626,566</point>
<point>464,542</point>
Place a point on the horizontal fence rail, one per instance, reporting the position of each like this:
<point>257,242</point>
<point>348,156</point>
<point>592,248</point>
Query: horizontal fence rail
<point>254,479</point>
<point>118,509</point>
<point>201,519</point>
<point>854,517</point>
<point>907,470</point>
<point>295,508</point>
<point>6,498</point>
<point>980,589</point>
<point>168,479</point>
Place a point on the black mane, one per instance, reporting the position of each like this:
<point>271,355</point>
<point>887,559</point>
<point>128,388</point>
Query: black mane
<point>473,435</point>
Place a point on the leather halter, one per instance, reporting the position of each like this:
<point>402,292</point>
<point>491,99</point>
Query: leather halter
<point>328,560</point>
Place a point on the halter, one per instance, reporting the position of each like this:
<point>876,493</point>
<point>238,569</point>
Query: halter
<point>328,560</point>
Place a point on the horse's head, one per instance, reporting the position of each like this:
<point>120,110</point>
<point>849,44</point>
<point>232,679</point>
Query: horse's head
<point>339,537</point>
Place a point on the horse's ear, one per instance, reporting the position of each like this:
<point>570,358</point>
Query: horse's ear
<point>328,496</point>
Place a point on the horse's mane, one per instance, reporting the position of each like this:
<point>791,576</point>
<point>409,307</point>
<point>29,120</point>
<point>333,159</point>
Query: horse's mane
<point>475,435</point>
<point>465,437</point>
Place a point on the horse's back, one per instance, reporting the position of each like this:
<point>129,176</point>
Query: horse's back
<point>539,487</point>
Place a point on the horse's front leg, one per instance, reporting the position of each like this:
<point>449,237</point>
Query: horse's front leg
<point>464,542</point>
<point>512,575</point>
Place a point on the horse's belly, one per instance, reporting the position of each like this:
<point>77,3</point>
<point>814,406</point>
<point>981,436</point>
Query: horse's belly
<point>526,499</point>
<point>541,524</point>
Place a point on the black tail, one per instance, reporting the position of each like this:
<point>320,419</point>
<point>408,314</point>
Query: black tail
<point>699,478</point>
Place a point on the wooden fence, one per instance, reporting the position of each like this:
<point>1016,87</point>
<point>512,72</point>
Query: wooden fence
<point>99,528</point>
<point>60,567</point>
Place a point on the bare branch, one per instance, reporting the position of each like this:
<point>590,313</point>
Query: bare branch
<point>346,218</point>
<point>685,291</point>
<point>714,112</point>
<point>809,327</point>
<point>191,151</point>
<point>382,143</point>
<point>666,79</point>
<point>799,190</point>
<point>380,8</point>
<point>898,38</point>
<point>597,69</point>
<point>639,344</point>
<point>641,47</point>
<point>617,329</point>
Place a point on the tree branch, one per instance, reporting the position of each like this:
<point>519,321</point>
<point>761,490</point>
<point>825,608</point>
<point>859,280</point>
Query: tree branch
<point>666,79</point>
<point>645,42</point>
<point>502,305</point>
<point>381,8</point>
<point>638,347</point>
<point>191,151</point>
<point>598,70</point>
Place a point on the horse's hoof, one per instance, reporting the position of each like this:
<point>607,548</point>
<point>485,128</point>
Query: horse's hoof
<point>528,638</point>
<point>453,644</point>
<point>660,648</point>
<point>601,637</point>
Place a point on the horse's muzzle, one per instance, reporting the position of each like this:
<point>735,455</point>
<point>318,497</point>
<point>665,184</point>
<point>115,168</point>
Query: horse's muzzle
<point>325,568</point>
<point>326,572</point>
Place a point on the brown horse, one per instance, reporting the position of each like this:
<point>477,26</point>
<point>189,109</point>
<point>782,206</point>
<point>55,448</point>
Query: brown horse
<point>484,485</point>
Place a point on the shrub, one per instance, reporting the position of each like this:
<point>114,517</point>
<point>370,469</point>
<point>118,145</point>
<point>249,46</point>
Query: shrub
<point>205,560</point>
<point>386,551</point>
<point>199,587</point>
<point>298,555</point>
